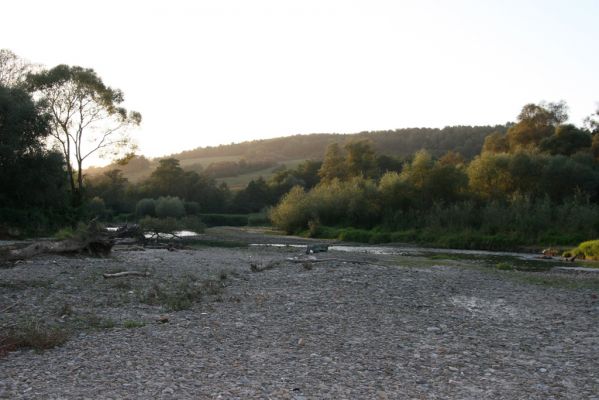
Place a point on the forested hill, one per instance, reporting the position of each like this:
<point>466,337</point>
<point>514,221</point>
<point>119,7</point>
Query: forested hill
<point>467,140</point>
<point>259,157</point>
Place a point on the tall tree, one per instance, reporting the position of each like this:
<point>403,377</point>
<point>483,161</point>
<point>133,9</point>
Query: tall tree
<point>86,117</point>
<point>30,176</point>
<point>333,165</point>
<point>535,123</point>
<point>13,70</point>
<point>361,158</point>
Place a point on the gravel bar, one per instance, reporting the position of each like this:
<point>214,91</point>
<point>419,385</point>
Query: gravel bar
<point>398,328</point>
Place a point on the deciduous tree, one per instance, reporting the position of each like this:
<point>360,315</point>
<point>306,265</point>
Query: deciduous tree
<point>86,117</point>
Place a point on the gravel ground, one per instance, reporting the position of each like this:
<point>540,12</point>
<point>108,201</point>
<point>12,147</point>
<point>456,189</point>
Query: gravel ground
<point>392,328</point>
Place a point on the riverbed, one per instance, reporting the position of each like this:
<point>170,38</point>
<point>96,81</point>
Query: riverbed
<point>405,323</point>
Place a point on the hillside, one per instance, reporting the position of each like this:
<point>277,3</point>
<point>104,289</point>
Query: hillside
<point>238,163</point>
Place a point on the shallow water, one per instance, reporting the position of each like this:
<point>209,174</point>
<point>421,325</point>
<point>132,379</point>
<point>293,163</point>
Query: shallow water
<point>410,250</point>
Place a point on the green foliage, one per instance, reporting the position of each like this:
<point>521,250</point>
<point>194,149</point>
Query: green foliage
<point>258,219</point>
<point>588,250</point>
<point>170,226</point>
<point>193,223</point>
<point>192,207</point>
<point>130,324</point>
<point>96,208</point>
<point>32,334</point>
<point>180,295</point>
<point>225,219</point>
<point>32,178</point>
<point>566,140</point>
<point>536,122</point>
<point>157,226</point>
<point>503,266</point>
<point>333,166</point>
<point>87,117</point>
<point>146,207</point>
<point>169,207</point>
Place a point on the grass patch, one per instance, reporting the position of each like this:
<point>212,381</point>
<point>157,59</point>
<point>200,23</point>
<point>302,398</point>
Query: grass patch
<point>32,334</point>
<point>503,266</point>
<point>559,281</point>
<point>198,243</point>
<point>23,284</point>
<point>130,324</point>
<point>466,239</point>
<point>180,295</point>
<point>93,321</point>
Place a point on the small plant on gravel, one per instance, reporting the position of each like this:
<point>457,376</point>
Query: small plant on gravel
<point>503,266</point>
<point>179,295</point>
<point>129,324</point>
<point>64,310</point>
<point>95,321</point>
<point>33,334</point>
<point>122,284</point>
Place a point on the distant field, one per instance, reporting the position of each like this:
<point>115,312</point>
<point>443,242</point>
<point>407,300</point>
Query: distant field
<point>241,181</point>
<point>205,161</point>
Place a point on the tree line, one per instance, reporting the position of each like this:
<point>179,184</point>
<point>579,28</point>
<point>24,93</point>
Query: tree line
<point>534,180</point>
<point>537,182</point>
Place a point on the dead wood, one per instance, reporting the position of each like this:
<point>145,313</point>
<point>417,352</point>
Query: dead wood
<point>96,245</point>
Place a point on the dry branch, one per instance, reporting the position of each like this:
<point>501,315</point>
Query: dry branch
<point>125,273</point>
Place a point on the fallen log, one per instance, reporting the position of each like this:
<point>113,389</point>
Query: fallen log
<point>126,273</point>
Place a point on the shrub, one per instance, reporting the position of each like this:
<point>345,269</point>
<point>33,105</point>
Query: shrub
<point>589,250</point>
<point>225,219</point>
<point>169,207</point>
<point>192,207</point>
<point>156,226</point>
<point>355,235</point>
<point>32,334</point>
<point>260,219</point>
<point>192,223</point>
<point>146,207</point>
<point>96,208</point>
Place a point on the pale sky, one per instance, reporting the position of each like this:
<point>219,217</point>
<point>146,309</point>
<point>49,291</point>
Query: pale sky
<point>204,73</point>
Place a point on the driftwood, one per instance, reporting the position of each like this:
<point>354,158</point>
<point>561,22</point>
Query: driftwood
<point>96,242</point>
<point>97,247</point>
<point>125,273</point>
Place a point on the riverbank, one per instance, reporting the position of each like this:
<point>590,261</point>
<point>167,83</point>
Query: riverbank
<point>330,325</point>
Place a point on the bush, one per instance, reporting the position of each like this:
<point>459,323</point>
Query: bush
<point>96,208</point>
<point>146,207</point>
<point>192,207</point>
<point>260,219</point>
<point>225,219</point>
<point>355,235</point>
<point>589,250</point>
<point>169,207</point>
<point>192,223</point>
<point>157,226</point>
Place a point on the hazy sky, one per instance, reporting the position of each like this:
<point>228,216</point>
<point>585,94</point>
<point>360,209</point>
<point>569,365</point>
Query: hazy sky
<point>211,72</point>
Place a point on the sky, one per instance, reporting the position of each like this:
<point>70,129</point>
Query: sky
<point>204,73</point>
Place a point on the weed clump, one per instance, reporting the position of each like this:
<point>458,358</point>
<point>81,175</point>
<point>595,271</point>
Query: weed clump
<point>32,334</point>
<point>179,295</point>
